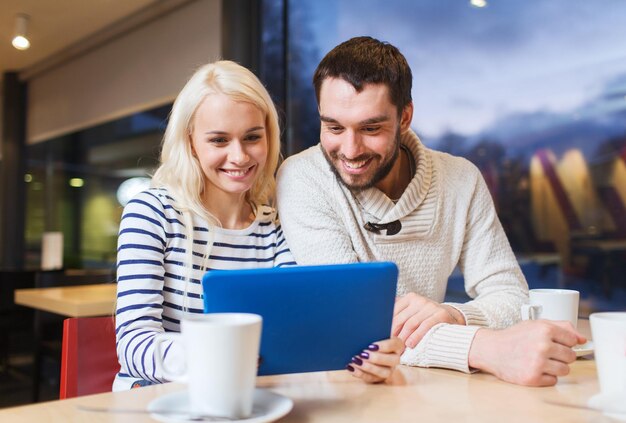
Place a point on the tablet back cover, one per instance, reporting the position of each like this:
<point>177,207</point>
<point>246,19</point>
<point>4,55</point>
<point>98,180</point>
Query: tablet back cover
<point>314,317</point>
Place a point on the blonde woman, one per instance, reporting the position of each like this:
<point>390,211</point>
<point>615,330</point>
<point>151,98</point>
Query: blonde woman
<point>209,208</point>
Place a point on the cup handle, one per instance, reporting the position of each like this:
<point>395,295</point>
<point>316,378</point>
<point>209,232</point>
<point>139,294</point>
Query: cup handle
<point>530,312</point>
<point>159,339</point>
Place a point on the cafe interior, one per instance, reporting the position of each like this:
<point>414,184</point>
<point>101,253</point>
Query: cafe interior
<point>532,93</point>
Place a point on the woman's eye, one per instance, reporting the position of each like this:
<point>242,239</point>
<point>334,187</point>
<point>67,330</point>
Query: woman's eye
<point>253,137</point>
<point>218,140</point>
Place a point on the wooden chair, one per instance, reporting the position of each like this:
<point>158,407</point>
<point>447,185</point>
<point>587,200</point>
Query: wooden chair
<point>88,359</point>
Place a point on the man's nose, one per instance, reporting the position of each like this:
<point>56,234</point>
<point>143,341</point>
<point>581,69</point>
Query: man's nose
<point>351,146</point>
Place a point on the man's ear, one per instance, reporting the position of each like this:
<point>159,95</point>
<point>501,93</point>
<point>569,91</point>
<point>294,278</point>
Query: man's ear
<point>406,118</point>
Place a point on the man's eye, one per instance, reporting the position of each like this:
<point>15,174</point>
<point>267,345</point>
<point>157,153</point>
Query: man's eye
<point>371,129</point>
<point>335,129</point>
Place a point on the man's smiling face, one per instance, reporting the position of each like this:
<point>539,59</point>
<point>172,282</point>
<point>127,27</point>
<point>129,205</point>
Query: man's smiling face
<point>360,132</point>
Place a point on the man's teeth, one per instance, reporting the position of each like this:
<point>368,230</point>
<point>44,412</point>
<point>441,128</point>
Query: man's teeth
<point>356,165</point>
<point>237,172</point>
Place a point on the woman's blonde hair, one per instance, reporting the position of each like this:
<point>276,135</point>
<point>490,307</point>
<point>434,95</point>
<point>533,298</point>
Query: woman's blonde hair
<point>180,171</point>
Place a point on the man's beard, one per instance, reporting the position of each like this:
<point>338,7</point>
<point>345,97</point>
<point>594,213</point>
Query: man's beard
<point>380,173</point>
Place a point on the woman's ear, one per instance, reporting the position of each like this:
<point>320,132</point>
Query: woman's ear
<point>190,140</point>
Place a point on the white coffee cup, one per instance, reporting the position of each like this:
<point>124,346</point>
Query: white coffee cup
<point>552,304</point>
<point>221,358</point>
<point>609,338</point>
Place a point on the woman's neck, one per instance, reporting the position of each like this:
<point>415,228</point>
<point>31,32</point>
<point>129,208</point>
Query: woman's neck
<point>233,211</point>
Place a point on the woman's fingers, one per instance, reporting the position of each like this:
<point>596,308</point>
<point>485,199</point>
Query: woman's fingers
<point>367,377</point>
<point>391,345</point>
<point>378,362</point>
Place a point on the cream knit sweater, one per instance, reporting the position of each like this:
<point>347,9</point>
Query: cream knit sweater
<point>448,220</point>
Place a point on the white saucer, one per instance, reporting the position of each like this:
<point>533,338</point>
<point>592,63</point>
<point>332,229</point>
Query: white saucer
<point>267,407</point>
<point>583,349</point>
<point>611,405</point>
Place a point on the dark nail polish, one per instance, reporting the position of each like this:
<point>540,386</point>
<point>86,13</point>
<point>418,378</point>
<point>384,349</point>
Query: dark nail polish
<point>349,368</point>
<point>373,347</point>
<point>365,354</point>
<point>357,360</point>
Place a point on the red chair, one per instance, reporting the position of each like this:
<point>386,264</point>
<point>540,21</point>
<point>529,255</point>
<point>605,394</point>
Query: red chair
<point>88,359</point>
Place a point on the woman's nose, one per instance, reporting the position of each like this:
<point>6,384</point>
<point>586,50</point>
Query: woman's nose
<point>237,153</point>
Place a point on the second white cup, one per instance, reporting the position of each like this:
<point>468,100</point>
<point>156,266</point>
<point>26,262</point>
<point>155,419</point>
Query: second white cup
<point>552,304</point>
<point>609,337</point>
<point>221,356</point>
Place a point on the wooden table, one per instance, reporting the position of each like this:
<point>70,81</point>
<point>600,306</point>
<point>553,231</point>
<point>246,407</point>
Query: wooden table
<point>413,395</point>
<point>71,301</point>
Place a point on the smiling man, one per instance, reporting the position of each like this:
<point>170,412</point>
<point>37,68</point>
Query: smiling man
<point>371,191</point>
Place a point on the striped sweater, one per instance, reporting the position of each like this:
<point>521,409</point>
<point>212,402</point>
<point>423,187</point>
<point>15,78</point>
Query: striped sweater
<point>448,220</point>
<point>151,276</point>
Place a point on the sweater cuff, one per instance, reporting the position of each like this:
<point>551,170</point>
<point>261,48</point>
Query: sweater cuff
<point>446,346</point>
<point>472,314</point>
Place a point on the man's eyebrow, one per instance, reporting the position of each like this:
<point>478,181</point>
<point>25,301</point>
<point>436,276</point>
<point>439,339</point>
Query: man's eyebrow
<point>328,119</point>
<point>376,119</point>
<point>370,121</point>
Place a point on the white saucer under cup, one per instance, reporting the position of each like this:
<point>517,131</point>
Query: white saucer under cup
<point>609,338</point>
<point>174,407</point>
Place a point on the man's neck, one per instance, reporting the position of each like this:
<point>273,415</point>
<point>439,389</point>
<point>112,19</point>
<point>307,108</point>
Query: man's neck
<point>394,184</point>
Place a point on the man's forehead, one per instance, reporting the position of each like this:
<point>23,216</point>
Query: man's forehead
<point>339,101</point>
<point>341,85</point>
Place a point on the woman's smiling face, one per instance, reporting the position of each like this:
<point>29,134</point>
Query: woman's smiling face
<point>230,141</point>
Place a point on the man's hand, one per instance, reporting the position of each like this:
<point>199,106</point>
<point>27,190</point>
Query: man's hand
<point>414,315</point>
<point>531,353</point>
<point>377,363</point>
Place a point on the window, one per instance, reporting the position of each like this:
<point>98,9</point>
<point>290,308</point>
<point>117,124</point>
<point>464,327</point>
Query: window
<point>73,183</point>
<point>533,93</point>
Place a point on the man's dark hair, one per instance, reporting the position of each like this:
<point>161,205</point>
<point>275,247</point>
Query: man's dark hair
<point>366,60</point>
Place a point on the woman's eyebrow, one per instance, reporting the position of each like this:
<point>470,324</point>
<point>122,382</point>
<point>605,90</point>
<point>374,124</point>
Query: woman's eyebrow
<point>217,132</point>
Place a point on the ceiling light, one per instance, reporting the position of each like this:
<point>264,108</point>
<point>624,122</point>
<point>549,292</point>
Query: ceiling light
<point>478,3</point>
<point>20,41</point>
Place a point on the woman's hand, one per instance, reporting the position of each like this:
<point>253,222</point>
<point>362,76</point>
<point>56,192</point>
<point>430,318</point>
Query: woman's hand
<point>377,363</point>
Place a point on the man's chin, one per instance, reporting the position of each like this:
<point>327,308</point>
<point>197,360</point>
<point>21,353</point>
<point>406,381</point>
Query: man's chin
<point>355,184</point>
